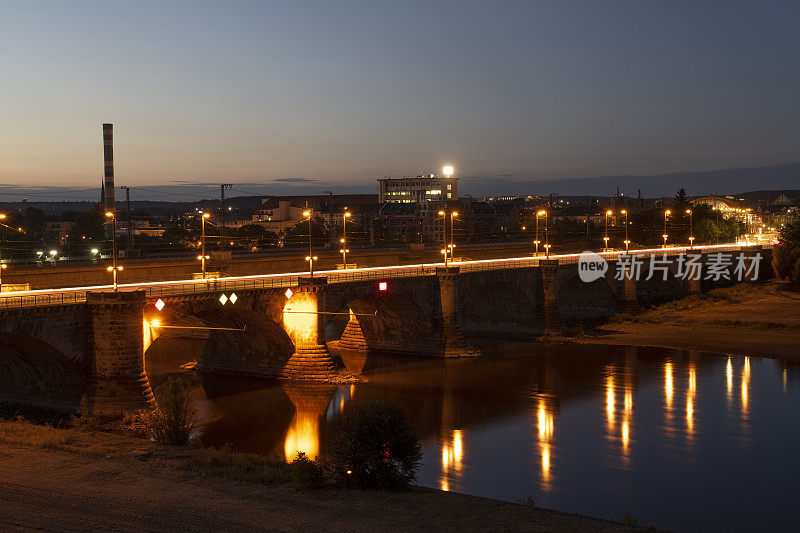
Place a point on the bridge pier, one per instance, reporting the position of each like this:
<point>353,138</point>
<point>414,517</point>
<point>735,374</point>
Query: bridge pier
<point>116,353</point>
<point>306,327</point>
<point>630,304</point>
<point>548,296</point>
<point>453,343</point>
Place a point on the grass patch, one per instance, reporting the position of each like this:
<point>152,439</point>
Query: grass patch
<point>245,467</point>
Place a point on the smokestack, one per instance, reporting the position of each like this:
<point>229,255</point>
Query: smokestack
<point>108,159</point>
<point>108,175</point>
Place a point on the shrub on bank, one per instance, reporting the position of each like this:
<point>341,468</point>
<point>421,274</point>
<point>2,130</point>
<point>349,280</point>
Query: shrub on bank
<point>376,447</point>
<point>176,417</point>
<point>84,420</point>
<point>307,474</point>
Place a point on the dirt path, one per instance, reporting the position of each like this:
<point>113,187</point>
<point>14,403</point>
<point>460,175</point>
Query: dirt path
<point>107,482</point>
<point>760,320</point>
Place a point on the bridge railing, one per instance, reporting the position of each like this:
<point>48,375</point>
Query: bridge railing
<point>42,300</point>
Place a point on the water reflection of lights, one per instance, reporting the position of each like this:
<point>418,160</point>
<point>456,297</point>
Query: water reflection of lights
<point>690,396</point>
<point>452,458</point>
<point>303,436</point>
<point>745,386</point>
<point>729,379</point>
<point>625,434</point>
<point>610,401</point>
<point>668,389</point>
<point>546,428</point>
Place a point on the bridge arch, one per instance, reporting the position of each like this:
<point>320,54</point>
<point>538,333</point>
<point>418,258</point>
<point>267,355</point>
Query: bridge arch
<point>387,321</point>
<point>497,307</point>
<point>581,301</point>
<point>246,341</point>
<point>35,373</point>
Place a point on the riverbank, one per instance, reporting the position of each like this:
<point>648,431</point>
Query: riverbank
<point>65,480</point>
<point>746,319</point>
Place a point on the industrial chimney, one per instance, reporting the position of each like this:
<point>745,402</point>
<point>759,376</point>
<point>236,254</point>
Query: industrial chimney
<point>108,179</point>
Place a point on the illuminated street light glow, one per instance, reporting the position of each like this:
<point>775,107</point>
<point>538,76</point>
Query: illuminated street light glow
<point>160,304</point>
<point>448,170</point>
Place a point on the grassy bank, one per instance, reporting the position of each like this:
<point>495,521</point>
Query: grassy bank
<point>63,479</point>
<point>746,319</point>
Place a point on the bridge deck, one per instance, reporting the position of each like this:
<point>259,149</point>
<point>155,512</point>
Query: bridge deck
<point>77,295</point>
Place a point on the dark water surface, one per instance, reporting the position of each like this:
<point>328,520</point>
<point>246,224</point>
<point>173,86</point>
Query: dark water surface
<point>684,440</point>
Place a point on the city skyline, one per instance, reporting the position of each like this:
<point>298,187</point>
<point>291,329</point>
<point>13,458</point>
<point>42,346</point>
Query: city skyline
<point>327,96</point>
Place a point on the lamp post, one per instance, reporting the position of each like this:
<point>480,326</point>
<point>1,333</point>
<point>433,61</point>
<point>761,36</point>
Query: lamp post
<point>546,237</point>
<point>627,242</point>
<point>605,239</point>
<point>537,241</point>
<point>666,214</point>
<point>2,265</point>
<point>114,269</point>
<point>112,216</point>
<point>691,229</point>
<point>453,214</point>
<point>310,257</point>
<point>344,250</point>
<point>202,257</point>
<point>444,235</point>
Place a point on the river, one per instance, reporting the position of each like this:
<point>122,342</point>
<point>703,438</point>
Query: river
<point>684,440</point>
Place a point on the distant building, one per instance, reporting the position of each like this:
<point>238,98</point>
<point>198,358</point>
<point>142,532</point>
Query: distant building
<point>57,231</point>
<point>406,190</point>
<point>281,212</point>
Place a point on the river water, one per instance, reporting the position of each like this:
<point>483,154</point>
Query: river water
<point>684,440</point>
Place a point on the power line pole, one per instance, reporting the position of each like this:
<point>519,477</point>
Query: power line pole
<point>222,205</point>
<point>129,240</point>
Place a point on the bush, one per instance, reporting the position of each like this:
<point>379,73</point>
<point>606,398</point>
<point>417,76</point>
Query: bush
<point>307,474</point>
<point>376,447</point>
<point>784,258</point>
<point>84,420</point>
<point>795,277</point>
<point>176,417</point>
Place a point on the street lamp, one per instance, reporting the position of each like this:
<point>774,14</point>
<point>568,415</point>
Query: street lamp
<point>605,239</point>
<point>202,257</point>
<point>546,237</point>
<point>444,234</point>
<point>691,229</point>
<point>666,214</point>
<point>114,269</point>
<point>537,241</point>
<point>627,242</point>
<point>344,251</point>
<point>447,170</point>
<point>453,214</point>
<point>309,257</point>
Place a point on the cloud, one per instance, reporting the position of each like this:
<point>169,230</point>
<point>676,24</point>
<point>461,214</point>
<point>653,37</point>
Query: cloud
<point>294,180</point>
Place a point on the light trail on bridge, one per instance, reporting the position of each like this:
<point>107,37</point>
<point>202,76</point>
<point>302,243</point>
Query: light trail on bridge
<point>210,285</point>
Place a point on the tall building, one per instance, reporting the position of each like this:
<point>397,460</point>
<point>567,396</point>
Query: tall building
<point>407,190</point>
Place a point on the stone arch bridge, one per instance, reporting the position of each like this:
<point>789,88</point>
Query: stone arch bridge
<point>59,345</point>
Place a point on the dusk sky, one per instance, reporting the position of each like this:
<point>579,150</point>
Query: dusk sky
<point>346,92</point>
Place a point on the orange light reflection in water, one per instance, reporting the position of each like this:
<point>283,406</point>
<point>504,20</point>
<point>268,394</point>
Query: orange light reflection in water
<point>303,436</point>
<point>745,386</point>
<point>452,458</point>
<point>690,396</point>
<point>627,413</point>
<point>546,427</point>
<point>729,381</point>
<point>610,402</point>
